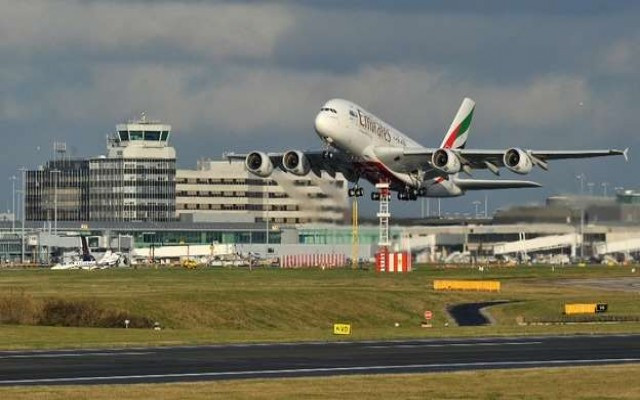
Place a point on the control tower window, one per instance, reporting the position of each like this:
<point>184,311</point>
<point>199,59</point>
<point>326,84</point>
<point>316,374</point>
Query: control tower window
<point>136,135</point>
<point>152,135</point>
<point>165,135</point>
<point>124,135</point>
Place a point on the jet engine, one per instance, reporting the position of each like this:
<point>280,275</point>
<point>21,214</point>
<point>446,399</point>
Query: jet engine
<point>296,162</point>
<point>446,160</point>
<point>259,163</point>
<point>517,161</point>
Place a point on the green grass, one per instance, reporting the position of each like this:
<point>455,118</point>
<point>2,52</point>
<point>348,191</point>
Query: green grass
<point>606,382</point>
<point>222,305</point>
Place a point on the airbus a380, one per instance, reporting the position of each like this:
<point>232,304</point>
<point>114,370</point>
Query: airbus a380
<point>362,146</point>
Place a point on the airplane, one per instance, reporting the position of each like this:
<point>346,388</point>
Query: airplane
<point>360,145</point>
<point>87,261</point>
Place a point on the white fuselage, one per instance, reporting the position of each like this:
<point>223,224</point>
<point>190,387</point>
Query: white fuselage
<point>372,142</point>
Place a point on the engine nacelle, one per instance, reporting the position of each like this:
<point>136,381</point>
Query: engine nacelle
<point>258,163</point>
<point>296,162</point>
<point>517,161</point>
<point>446,160</point>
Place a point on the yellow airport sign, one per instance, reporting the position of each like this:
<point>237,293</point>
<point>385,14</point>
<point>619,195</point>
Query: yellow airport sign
<point>473,285</point>
<point>342,329</point>
<point>585,308</point>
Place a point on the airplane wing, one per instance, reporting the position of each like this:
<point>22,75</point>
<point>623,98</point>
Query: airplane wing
<point>484,184</point>
<point>493,159</point>
<point>337,163</point>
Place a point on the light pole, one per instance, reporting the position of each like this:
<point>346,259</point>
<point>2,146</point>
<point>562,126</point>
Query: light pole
<point>604,188</point>
<point>581,177</point>
<point>266,205</point>
<point>24,208</point>
<point>55,173</point>
<point>476,203</point>
<point>486,206</point>
<point>13,203</point>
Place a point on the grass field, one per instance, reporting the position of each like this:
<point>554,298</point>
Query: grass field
<point>222,305</point>
<point>608,382</point>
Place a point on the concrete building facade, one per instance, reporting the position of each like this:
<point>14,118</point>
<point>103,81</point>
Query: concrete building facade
<point>222,191</point>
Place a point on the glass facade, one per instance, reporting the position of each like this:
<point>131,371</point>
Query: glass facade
<point>102,189</point>
<point>64,182</point>
<point>132,189</point>
<point>165,237</point>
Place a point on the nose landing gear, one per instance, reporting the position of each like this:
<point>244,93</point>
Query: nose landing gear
<point>356,192</point>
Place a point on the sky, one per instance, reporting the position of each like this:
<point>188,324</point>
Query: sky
<point>245,75</point>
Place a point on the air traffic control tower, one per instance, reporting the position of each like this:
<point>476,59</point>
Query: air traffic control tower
<point>136,180</point>
<point>141,139</point>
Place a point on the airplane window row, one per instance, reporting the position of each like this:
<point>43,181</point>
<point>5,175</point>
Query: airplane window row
<point>329,109</point>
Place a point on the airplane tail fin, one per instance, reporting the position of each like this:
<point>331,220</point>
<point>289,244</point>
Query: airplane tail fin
<point>86,254</point>
<point>458,132</point>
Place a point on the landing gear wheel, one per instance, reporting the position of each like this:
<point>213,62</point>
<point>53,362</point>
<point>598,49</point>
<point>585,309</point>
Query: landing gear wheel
<point>422,192</point>
<point>327,155</point>
<point>375,196</point>
<point>356,192</point>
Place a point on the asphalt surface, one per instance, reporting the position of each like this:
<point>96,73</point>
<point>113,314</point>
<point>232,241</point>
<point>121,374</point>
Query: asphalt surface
<point>627,284</point>
<point>179,364</point>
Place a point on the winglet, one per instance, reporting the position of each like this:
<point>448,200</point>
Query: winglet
<point>625,154</point>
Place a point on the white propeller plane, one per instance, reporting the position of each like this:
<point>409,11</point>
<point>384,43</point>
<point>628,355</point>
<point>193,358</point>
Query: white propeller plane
<point>362,146</point>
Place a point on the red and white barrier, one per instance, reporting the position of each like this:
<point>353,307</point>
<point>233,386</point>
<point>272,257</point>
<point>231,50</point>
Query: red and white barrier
<point>329,260</point>
<point>387,261</point>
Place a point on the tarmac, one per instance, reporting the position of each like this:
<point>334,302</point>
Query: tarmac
<point>275,360</point>
<point>627,284</point>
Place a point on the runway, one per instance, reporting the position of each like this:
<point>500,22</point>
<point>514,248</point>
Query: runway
<point>270,360</point>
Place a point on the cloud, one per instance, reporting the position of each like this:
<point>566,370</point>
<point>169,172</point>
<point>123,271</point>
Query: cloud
<point>214,31</point>
<point>255,101</point>
<point>622,57</point>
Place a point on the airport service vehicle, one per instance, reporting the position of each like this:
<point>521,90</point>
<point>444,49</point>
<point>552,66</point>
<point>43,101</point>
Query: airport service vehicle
<point>360,145</point>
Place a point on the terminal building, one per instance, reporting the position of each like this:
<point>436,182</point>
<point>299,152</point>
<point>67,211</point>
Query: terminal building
<point>135,181</point>
<point>221,191</point>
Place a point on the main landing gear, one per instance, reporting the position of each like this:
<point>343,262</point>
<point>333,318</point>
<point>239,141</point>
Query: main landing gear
<point>412,194</point>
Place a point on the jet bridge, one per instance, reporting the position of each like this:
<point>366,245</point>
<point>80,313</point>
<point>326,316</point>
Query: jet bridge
<point>543,243</point>
<point>618,246</point>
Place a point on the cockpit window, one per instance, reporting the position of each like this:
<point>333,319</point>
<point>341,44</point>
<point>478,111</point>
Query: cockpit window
<point>333,110</point>
<point>353,113</point>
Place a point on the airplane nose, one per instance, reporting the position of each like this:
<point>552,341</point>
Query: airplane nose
<point>322,124</point>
